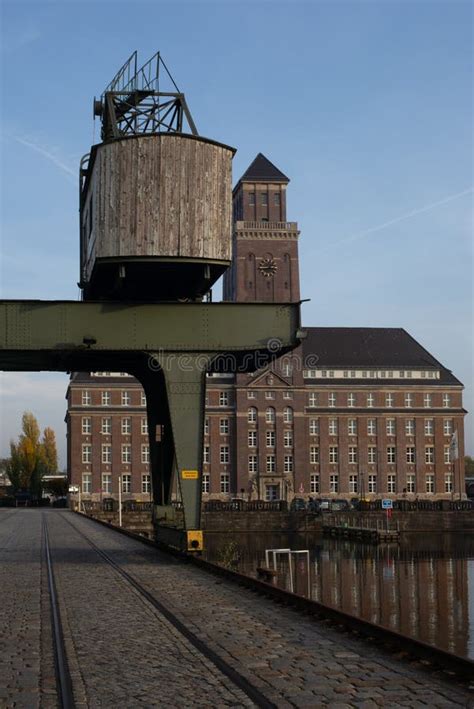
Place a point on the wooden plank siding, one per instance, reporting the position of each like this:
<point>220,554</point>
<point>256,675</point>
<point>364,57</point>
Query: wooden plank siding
<point>160,196</point>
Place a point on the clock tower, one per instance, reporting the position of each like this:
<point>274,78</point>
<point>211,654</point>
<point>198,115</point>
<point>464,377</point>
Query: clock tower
<point>265,246</point>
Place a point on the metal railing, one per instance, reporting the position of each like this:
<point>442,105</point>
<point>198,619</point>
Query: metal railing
<point>243,506</point>
<point>288,226</point>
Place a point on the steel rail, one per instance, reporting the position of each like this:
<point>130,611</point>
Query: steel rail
<point>235,677</point>
<point>63,676</point>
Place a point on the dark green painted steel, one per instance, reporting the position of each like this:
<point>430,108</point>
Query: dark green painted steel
<point>168,347</point>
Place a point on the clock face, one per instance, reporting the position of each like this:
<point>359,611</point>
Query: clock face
<point>267,267</point>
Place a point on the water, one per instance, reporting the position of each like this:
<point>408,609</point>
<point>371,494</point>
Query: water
<point>423,588</point>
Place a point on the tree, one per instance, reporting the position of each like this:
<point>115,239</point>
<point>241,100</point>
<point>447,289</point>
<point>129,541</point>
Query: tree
<point>31,458</point>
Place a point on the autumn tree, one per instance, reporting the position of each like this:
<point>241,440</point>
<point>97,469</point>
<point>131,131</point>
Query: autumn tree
<point>31,458</point>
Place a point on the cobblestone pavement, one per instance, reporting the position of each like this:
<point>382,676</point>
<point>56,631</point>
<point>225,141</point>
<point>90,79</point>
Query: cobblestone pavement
<point>122,652</point>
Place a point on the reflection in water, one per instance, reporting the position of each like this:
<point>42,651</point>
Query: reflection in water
<point>423,588</point>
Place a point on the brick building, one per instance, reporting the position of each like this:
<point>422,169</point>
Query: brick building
<point>352,412</point>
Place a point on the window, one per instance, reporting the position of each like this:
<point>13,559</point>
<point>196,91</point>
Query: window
<point>269,395</point>
<point>287,394</point>
<point>270,463</point>
<point>447,454</point>
<point>372,455</point>
<point>224,427</point>
<point>251,415</point>
<point>408,400</point>
<point>333,454</point>
<point>251,395</point>
<point>253,464</point>
<point>206,457</point>
<point>334,483</point>
<point>106,453</point>
<point>86,425</point>
<point>313,399</point>
<point>371,427</point>
<point>86,398</point>
<point>287,369</point>
<point>410,454</point>
<point>86,453</point>
<point>372,484</point>
<point>448,482</point>
<point>223,398</point>
<point>105,398</point>
<point>106,483</point>
<point>314,455</point>
<point>314,427</point>
<point>352,427</point>
<point>352,483</point>
<point>352,454</point>
<point>125,398</point>
<point>429,455</point>
<point>224,454</point>
<point>430,483</point>
<point>389,400</point>
<point>271,493</point>
<point>276,199</point>
<point>264,199</point>
<point>106,426</point>
<point>288,439</point>
<point>427,401</point>
<point>410,427</point>
<point>126,483</point>
<point>86,483</point>
<point>252,439</point>
<point>225,483</point>
<point>270,415</point>
<point>126,426</point>
<point>333,427</point>
<point>410,483</point>
<point>314,483</point>
<point>288,464</point>
<point>146,483</point>
<point>390,454</point>
<point>351,399</point>
<point>270,439</point>
<point>448,427</point>
<point>390,427</point>
<point>287,414</point>
<point>429,427</point>
<point>144,427</point>
<point>126,453</point>
<point>145,453</point>
<point>332,400</point>
<point>252,199</point>
<point>446,401</point>
<point>370,401</point>
<point>391,484</point>
<point>142,399</point>
<point>206,426</point>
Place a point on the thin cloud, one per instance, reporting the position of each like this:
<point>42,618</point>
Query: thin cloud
<point>408,215</point>
<point>48,154</point>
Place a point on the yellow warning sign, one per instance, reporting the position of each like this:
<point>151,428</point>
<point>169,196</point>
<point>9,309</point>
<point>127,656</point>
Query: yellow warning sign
<point>195,540</point>
<point>189,474</point>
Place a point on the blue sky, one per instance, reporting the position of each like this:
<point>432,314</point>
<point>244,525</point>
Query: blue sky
<point>366,106</point>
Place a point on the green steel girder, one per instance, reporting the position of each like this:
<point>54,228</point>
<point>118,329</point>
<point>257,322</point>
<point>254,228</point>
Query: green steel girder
<point>168,347</point>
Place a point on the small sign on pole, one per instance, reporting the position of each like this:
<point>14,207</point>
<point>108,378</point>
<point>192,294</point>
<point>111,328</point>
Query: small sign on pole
<point>387,505</point>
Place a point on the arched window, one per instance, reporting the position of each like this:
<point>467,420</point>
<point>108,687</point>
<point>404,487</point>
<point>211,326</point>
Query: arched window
<point>252,415</point>
<point>288,414</point>
<point>270,415</point>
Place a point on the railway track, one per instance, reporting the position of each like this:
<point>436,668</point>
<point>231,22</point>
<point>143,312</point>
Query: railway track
<point>63,677</point>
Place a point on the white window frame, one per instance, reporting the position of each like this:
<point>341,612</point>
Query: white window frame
<point>253,464</point>
<point>314,483</point>
<point>106,425</point>
<point>144,426</point>
<point>429,455</point>
<point>125,398</point>
<point>270,463</point>
<point>206,454</point>
<point>145,453</point>
<point>288,414</point>
<point>86,398</point>
<point>372,484</point>
<point>334,483</point>
<point>411,483</point>
<point>288,464</point>
<point>126,483</point>
<point>370,400</point>
<point>351,400</point>
<point>126,452</point>
<point>252,438</point>
<point>270,439</point>
<point>371,427</point>
<point>106,482</point>
<point>146,483</point>
<point>352,427</point>
<point>446,401</point>
<point>334,455</point>
<point>106,453</point>
<point>313,399</point>
<point>352,455</point>
<point>429,427</point>
<point>314,455</point>
<point>126,426</point>
<point>390,427</point>
<point>333,427</point>
<point>270,415</point>
<point>353,484</point>
<point>430,484</point>
<point>223,398</point>
<point>372,455</point>
<point>411,455</point>
<point>224,427</point>
<point>252,415</point>
<point>224,455</point>
<point>448,427</point>
<point>86,425</point>
<point>332,400</point>
<point>86,453</point>
<point>427,401</point>
<point>314,427</point>
<point>389,400</point>
<point>86,483</point>
<point>391,483</point>
<point>105,398</point>
<point>391,454</point>
<point>410,427</point>
<point>288,439</point>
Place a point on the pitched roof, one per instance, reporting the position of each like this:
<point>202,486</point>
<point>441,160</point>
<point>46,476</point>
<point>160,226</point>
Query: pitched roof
<point>262,169</point>
<point>369,347</point>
